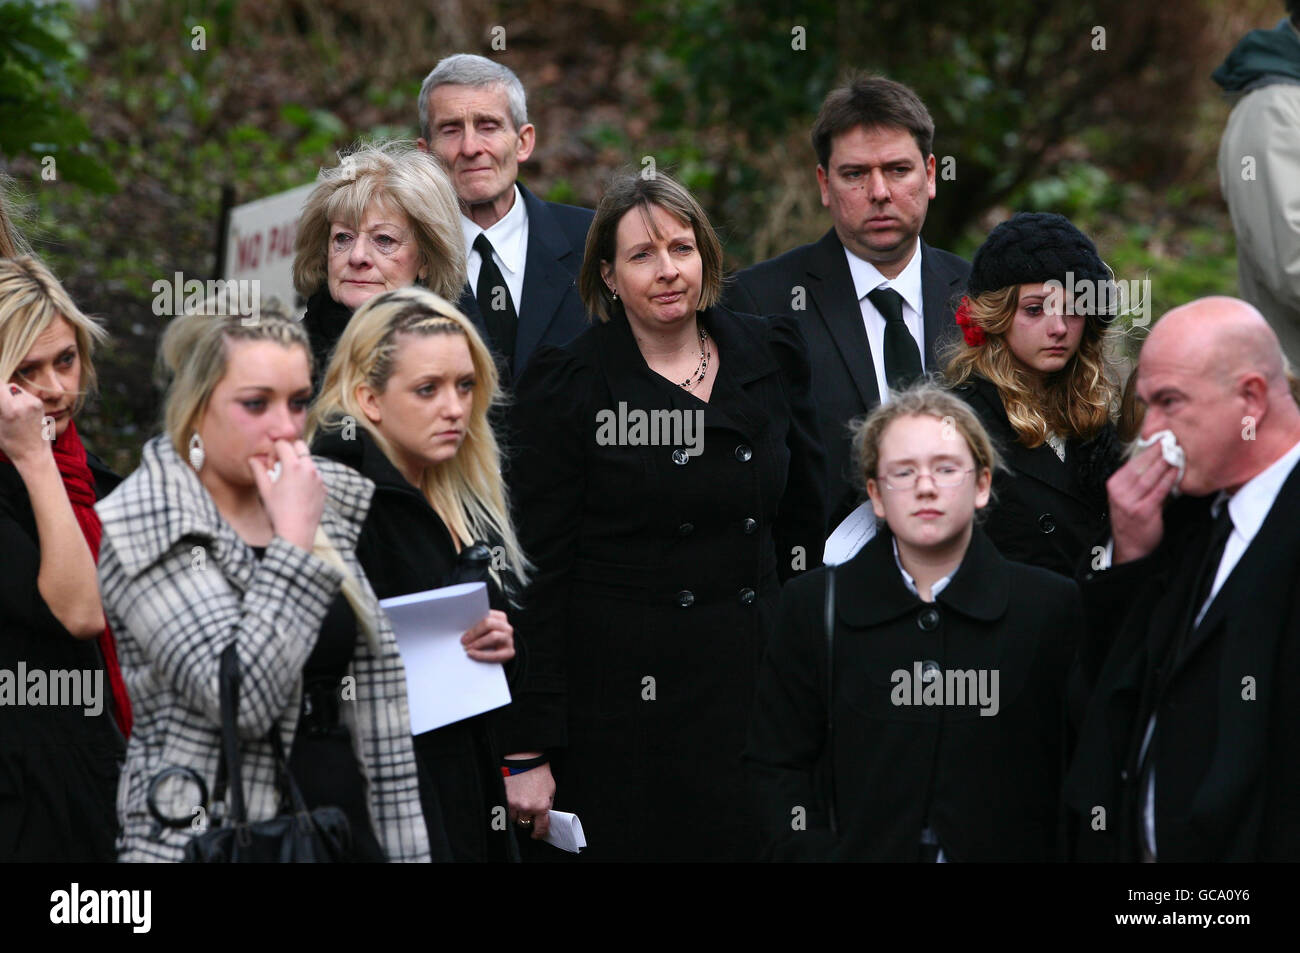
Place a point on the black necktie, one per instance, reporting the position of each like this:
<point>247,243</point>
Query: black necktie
<point>902,358</point>
<point>1219,534</point>
<point>494,302</point>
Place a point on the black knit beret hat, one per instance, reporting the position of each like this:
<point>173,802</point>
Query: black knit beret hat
<point>1032,247</point>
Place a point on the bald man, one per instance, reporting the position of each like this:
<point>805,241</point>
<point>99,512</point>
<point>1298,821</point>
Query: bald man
<point>1190,746</point>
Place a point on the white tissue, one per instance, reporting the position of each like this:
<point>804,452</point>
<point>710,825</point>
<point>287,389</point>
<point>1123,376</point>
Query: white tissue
<point>1169,449</point>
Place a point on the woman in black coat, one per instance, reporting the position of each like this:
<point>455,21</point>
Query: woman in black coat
<point>667,481</point>
<point>946,736</point>
<point>1032,365</point>
<point>60,751</point>
<point>405,403</point>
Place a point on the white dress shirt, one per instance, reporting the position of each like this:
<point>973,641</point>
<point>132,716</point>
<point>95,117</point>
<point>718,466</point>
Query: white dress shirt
<point>509,238</point>
<point>866,278</point>
<point>1247,508</point>
<point>936,587</point>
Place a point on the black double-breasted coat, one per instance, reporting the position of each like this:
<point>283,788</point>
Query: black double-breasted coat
<point>405,547</point>
<point>1226,750</point>
<point>658,573</point>
<point>1045,511</point>
<point>988,785</point>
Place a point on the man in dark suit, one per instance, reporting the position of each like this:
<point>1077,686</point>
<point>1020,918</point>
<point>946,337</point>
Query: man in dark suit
<point>524,254</point>
<point>873,301</point>
<point>1188,750</point>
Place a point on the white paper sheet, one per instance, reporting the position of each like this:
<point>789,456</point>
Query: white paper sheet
<point>443,684</point>
<point>851,535</point>
<point>566,832</point>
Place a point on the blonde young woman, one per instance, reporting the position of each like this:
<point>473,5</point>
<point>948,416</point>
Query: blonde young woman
<point>405,403</point>
<point>59,755</point>
<point>229,532</point>
<point>385,217</point>
<point>1031,363</point>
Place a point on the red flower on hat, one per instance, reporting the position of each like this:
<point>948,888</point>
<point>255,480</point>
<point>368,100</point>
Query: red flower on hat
<point>972,332</point>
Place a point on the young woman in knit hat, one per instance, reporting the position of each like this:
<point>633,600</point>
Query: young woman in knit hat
<point>1031,362</point>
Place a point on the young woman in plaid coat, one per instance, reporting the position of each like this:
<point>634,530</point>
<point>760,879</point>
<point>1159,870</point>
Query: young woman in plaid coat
<point>230,532</point>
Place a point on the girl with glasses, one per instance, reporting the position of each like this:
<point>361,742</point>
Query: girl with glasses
<point>938,732</point>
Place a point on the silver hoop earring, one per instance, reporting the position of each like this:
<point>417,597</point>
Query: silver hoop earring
<point>197,454</point>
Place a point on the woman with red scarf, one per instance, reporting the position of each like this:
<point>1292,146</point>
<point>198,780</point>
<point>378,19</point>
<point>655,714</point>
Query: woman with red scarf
<point>66,711</point>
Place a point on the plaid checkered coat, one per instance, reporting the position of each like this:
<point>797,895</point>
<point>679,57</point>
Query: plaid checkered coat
<point>179,585</point>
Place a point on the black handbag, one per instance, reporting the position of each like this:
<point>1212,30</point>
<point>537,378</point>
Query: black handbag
<point>318,836</point>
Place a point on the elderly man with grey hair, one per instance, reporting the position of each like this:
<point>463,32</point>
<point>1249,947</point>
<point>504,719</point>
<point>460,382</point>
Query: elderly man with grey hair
<point>524,254</point>
<point>524,258</point>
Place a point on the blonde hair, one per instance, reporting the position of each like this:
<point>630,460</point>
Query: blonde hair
<point>1073,403</point>
<point>12,244</point>
<point>466,491</point>
<point>924,399</point>
<point>401,177</point>
<point>30,299</point>
<point>193,358</point>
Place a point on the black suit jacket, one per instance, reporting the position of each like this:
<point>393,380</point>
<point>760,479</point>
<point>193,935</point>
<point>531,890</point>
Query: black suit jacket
<point>551,311</point>
<point>844,377</point>
<point>1045,511</point>
<point>990,783</point>
<point>1226,749</point>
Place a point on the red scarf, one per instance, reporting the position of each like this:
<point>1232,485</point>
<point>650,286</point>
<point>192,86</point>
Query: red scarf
<point>70,457</point>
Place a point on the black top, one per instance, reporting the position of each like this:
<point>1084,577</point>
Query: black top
<point>659,559</point>
<point>322,759</point>
<point>1045,511</point>
<point>405,547</point>
<point>324,321</point>
<point>981,768</point>
<point>58,767</point>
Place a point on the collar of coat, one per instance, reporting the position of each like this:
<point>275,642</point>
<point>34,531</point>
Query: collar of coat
<point>870,590</point>
<point>1041,462</point>
<point>163,502</point>
<point>739,347</point>
<point>361,453</point>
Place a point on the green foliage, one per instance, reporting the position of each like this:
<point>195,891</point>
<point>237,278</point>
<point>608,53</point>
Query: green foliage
<point>38,65</point>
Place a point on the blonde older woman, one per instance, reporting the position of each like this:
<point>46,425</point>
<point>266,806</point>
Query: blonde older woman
<point>230,533</point>
<point>385,217</point>
<point>58,755</point>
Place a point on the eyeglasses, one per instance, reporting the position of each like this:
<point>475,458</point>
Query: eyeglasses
<point>946,475</point>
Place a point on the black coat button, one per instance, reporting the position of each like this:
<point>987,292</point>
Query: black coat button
<point>747,596</point>
<point>686,598</point>
<point>1046,523</point>
<point>930,670</point>
<point>743,453</point>
<point>681,457</point>
<point>686,529</point>
<point>928,619</point>
<point>750,525</point>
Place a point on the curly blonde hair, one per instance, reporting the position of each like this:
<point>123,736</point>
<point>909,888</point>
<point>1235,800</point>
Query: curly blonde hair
<point>1073,403</point>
